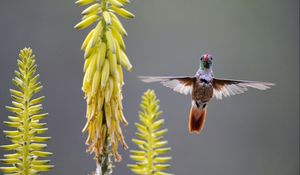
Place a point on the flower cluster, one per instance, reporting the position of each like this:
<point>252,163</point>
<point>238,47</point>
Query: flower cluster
<point>104,53</point>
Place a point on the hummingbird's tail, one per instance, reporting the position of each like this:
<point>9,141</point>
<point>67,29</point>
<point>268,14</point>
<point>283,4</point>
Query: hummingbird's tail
<point>197,119</point>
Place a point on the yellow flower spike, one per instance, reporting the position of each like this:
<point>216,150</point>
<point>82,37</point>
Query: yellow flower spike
<point>148,159</point>
<point>86,126</point>
<point>122,12</point>
<point>116,3</point>
<point>124,60</point>
<point>86,64</point>
<point>120,72</point>
<point>122,117</point>
<point>113,64</point>
<point>103,78</point>
<point>89,15</point>
<point>91,9</point>
<point>96,36</point>
<point>105,73</point>
<point>116,23</point>
<point>119,101</point>
<point>84,2</point>
<point>101,56</point>
<point>124,1</point>
<point>107,110</point>
<point>100,120</point>
<point>118,52</point>
<point>26,142</point>
<point>85,83</point>
<point>116,87</point>
<point>86,22</point>
<point>109,90</point>
<point>100,102</point>
<point>96,82</point>
<point>106,18</point>
<point>91,69</point>
<point>114,110</point>
<point>110,41</point>
<point>89,49</point>
<point>8,169</point>
<point>119,38</point>
<point>87,39</point>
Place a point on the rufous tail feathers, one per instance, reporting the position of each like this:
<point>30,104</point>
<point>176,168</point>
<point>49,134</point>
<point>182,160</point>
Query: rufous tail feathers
<point>197,119</point>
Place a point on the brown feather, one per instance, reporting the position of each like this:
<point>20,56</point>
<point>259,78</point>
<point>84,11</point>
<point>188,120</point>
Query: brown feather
<point>197,119</point>
<point>182,84</point>
<point>226,88</point>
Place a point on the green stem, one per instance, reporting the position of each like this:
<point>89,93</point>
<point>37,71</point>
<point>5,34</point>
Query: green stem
<point>26,139</point>
<point>150,148</point>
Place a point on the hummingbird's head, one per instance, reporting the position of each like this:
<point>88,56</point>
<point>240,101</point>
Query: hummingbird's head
<point>206,61</point>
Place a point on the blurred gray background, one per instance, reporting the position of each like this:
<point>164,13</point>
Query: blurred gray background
<point>253,133</point>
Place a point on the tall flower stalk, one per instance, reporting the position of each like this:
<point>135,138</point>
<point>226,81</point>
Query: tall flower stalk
<point>149,159</point>
<point>104,53</point>
<point>26,143</point>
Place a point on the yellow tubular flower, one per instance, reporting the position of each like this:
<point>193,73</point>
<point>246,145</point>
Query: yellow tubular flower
<point>150,139</point>
<point>27,145</point>
<point>104,53</point>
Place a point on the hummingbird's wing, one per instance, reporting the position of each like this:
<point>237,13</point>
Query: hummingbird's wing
<point>226,87</point>
<point>181,84</point>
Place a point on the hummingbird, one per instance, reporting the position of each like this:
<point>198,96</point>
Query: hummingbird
<point>202,87</point>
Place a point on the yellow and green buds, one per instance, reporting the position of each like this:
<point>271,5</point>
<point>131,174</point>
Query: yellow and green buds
<point>150,139</point>
<point>104,53</point>
<point>27,146</point>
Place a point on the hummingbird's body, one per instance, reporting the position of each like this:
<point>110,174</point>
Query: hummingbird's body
<point>202,87</point>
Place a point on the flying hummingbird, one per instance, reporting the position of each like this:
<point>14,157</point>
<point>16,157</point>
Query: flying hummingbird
<point>203,87</point>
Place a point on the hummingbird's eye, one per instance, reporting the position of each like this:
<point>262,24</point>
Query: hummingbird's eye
<point>201,58</point>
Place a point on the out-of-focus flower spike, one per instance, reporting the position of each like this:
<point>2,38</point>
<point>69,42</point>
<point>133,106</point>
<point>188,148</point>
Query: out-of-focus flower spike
<point>25,140</point>
<point>149,140</point>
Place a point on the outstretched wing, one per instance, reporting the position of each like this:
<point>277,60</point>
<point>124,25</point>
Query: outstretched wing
<point>226,88</point>
<point>183,85</point>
